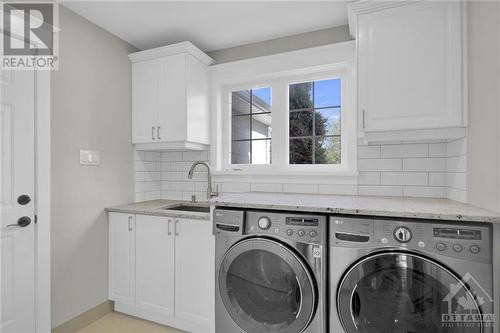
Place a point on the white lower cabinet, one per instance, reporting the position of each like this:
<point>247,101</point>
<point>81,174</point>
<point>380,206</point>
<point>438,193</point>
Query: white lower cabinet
<point>162,269</point>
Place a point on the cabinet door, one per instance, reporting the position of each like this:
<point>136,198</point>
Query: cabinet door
<point>409,67</point>
<point>172,114</point>
<point>145,81</point>
<point>122,258</point>
<point>155,264</point>
<point>194,272</point>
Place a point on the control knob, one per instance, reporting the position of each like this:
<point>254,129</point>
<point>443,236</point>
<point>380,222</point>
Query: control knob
<point>402,234</point>
<point>264,222</point>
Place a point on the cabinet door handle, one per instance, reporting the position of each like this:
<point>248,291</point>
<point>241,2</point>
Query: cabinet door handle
<point>363,119</point>
<point>152,133</point>
<point>158,133</point>
<point>168,226</point>
<point>175,227</point>
<point>130,223</point>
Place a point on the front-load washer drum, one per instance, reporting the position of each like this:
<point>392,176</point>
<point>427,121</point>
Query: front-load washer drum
<point>402,292</point>
<point>267,287</point>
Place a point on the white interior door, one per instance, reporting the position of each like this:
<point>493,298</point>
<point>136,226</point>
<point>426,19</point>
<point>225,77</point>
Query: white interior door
<point>17,237</point>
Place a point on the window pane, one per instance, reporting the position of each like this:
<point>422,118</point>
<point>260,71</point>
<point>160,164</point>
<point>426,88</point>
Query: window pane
<point>327,150</point>
<point>301,151</point>
<point>314,122</point>
<point>240,102</point>
<point>261,151</point>
<point>300,96</point>
<point>328,121</point>
<point>261,100</point>
<point>261,126</point>
<point>326,93</point>
<point>240,152</point>
<point>301,123</point>
<point>240,127</point>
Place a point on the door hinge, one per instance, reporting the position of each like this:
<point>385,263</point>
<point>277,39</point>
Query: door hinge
<point>36,219</point>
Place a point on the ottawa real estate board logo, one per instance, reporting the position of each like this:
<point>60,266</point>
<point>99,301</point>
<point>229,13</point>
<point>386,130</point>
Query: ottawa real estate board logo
<point>29,36</point>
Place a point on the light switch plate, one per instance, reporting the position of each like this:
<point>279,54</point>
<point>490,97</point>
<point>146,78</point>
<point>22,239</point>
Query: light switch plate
<point>90,157</point>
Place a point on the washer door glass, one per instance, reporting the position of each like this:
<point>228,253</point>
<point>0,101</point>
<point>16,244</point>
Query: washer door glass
<point>266,287</point>
<point>397,292</point>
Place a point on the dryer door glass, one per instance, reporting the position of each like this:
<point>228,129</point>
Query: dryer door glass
<point>266,287</point>
<point>395,292</point>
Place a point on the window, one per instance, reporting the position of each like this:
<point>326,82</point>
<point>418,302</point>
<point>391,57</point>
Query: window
<point>251,126</point>
<point>283,124</point>
<point>314,122</point>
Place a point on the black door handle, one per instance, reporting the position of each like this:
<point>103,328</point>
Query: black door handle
<point>22,222</point>
<point>23,199</point>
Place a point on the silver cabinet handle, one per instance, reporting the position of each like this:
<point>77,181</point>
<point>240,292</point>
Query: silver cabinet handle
<point>152,133</point>
<point>158,133</point>
<point>175,225</point>
<point>168,227</point>
<point>363,118</point>
<point>130,223</point>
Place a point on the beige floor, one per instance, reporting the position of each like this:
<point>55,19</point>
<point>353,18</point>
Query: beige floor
<point>119,323</point>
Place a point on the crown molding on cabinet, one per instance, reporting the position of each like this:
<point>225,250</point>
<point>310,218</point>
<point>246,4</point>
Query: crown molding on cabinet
<point>163,51</point>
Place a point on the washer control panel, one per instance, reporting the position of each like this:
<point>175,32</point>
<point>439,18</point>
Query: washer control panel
<point>468,241</point>
<point>303,228</point>
<point>462,240</point>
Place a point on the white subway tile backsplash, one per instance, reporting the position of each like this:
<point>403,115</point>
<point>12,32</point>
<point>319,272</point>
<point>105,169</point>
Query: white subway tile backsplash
<point>380,190</point>
<point>457,180</point>
<point>405,150</point>
<point>424,191</point>
<point>456,147</point>
<point>235,187</point>
<point>437,150</point>
<point>152,195</point>
<point>369,151</point>
<point>340,189</point>
<point>266,187</point>
<point>369,178</point>
<point>181,186</point>
<point>430,169</point>
<point>424,164</point>
<point>404,178</point>
<point>457,164</point>
<point>194,156</point>
<point>171,156</point>
<point>201,186</point>
<point>456,194</point>
<point>437,178</point>
<point>300,188</point>
<point>173,195</point>
<point>386,164</point>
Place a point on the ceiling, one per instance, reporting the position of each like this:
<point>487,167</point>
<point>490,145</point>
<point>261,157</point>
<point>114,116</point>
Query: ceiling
<point>210,25</point>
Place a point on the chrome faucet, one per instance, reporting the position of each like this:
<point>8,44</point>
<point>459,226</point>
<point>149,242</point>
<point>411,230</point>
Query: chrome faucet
<point>210,194</point>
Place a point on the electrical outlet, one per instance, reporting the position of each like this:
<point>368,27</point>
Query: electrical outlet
<point>90,157</point>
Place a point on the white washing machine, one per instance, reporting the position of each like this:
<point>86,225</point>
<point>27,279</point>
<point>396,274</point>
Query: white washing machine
<point>410,276</point>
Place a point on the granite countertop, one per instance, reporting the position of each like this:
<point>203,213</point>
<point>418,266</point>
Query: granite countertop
<point>423,208</point>
<point>158,208</point>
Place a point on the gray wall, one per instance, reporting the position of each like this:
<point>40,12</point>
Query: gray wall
<point>484,103</point>
<point>91,109</point>
<point>284,44</point>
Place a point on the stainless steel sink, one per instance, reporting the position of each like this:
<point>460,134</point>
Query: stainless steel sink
<point>190,208</point>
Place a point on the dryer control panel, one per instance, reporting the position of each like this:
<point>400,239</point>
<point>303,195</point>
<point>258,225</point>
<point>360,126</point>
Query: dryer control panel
<point>298,227</point>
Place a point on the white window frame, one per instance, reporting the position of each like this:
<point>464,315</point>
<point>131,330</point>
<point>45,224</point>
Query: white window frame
<point>279,82</point>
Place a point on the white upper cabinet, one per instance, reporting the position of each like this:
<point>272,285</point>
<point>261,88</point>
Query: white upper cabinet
<point>410,59</point>
<point>170,98</point>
